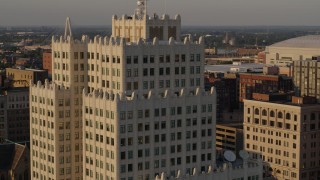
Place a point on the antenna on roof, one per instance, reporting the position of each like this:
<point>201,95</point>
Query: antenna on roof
<point>141,10</point>
<point>67,29</point>
<point>165,6</point>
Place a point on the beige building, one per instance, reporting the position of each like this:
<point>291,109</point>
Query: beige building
<point>285,136</point>
<point>129,106</point>
<point>135,70</point>
<point>306,76</point>
<point>229,136</point>
<point>286,52</point>
<point>22,77</point>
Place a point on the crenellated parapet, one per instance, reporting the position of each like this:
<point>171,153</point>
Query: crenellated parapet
<point>69,40</point>
<point>150,96</point>
<point>119,41</point>
<point>107,41</point>
<point>154,17</point>
<point>165,18</point>
<point>249,168</point>
<point>48,86</point>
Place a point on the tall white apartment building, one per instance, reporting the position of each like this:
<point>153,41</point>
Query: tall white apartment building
<point>129,106</point>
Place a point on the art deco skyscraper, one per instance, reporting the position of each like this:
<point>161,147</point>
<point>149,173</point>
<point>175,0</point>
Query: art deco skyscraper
<point>129,106</point>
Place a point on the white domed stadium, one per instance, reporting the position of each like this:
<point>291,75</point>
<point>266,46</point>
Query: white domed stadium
<point>300,48</point>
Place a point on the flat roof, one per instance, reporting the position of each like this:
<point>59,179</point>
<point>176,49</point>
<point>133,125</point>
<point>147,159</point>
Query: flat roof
<point>28,69</point>
<point>227,67</point>
<point>17,89</point>
<point>289,103</point>
<point>233,124</point>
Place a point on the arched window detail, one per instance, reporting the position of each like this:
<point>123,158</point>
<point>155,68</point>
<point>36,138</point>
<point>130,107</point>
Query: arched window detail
<point>280,115</point>
<point>256,111</point>
<point>271,113</point>
<point>264,112</point>
<point>288,116</point>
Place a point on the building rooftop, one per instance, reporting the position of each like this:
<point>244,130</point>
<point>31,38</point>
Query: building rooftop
<point>228,67</point>
<point>310,41</point>
<point>17,89</point>
<point>285,102</point>
<point>10,155</point>
<point>28,69</point>
<point>238,125</point>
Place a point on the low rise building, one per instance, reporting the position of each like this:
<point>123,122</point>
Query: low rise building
<point>22,77</point>
<point>14,164</point>
<point>14,115</point>
<point>260,83</point>
<point>227,88</point>
<point>285,135</point>
<point>47,61</point>
<point>229,136</point>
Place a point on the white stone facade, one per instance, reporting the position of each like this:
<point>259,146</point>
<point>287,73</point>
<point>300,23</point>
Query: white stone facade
<point>140,137</point>
<point>143,110</point>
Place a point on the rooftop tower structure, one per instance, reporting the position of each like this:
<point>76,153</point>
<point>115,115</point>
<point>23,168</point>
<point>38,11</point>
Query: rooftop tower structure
<point>141,25</point>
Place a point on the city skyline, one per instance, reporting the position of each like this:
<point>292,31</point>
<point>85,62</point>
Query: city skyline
<point>98,12</point>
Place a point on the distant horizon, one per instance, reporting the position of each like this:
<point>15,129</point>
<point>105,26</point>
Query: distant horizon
<point>194,26</point>
<point>194,13</point>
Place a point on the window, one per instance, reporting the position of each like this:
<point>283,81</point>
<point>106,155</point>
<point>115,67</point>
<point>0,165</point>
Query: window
<point>183,57</point>
<point>191,57</point>
<point>151,71</point>
<point>271,113</point>
<point>145,59</point>
<point>176,59</point>
<point>161,70</point>
<point>167,58</point>
<point>145,72</point>
<point>161,59</point>
<point>264,112</point>
<point>288,116</point>
<point>135,59</point>
<point>128,72</point>
<point>280,115</point>
<point>128,59</point>
<point>256,111</point>
<point>151,59</point>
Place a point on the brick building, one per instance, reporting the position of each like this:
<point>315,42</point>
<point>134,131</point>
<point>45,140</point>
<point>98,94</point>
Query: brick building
<point>47,61</point>
<point>260,83</point>
<point>22,77</point>
<point>227,88</point>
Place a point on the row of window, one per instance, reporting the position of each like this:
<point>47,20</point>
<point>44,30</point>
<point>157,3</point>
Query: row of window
<point>129,59</point>
<point>280,114</point>
<point>157,112</point>
<point>272,114</point>
<point>42,145</point>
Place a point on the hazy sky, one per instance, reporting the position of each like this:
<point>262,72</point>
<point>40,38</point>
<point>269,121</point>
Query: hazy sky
<point>193,12</point>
